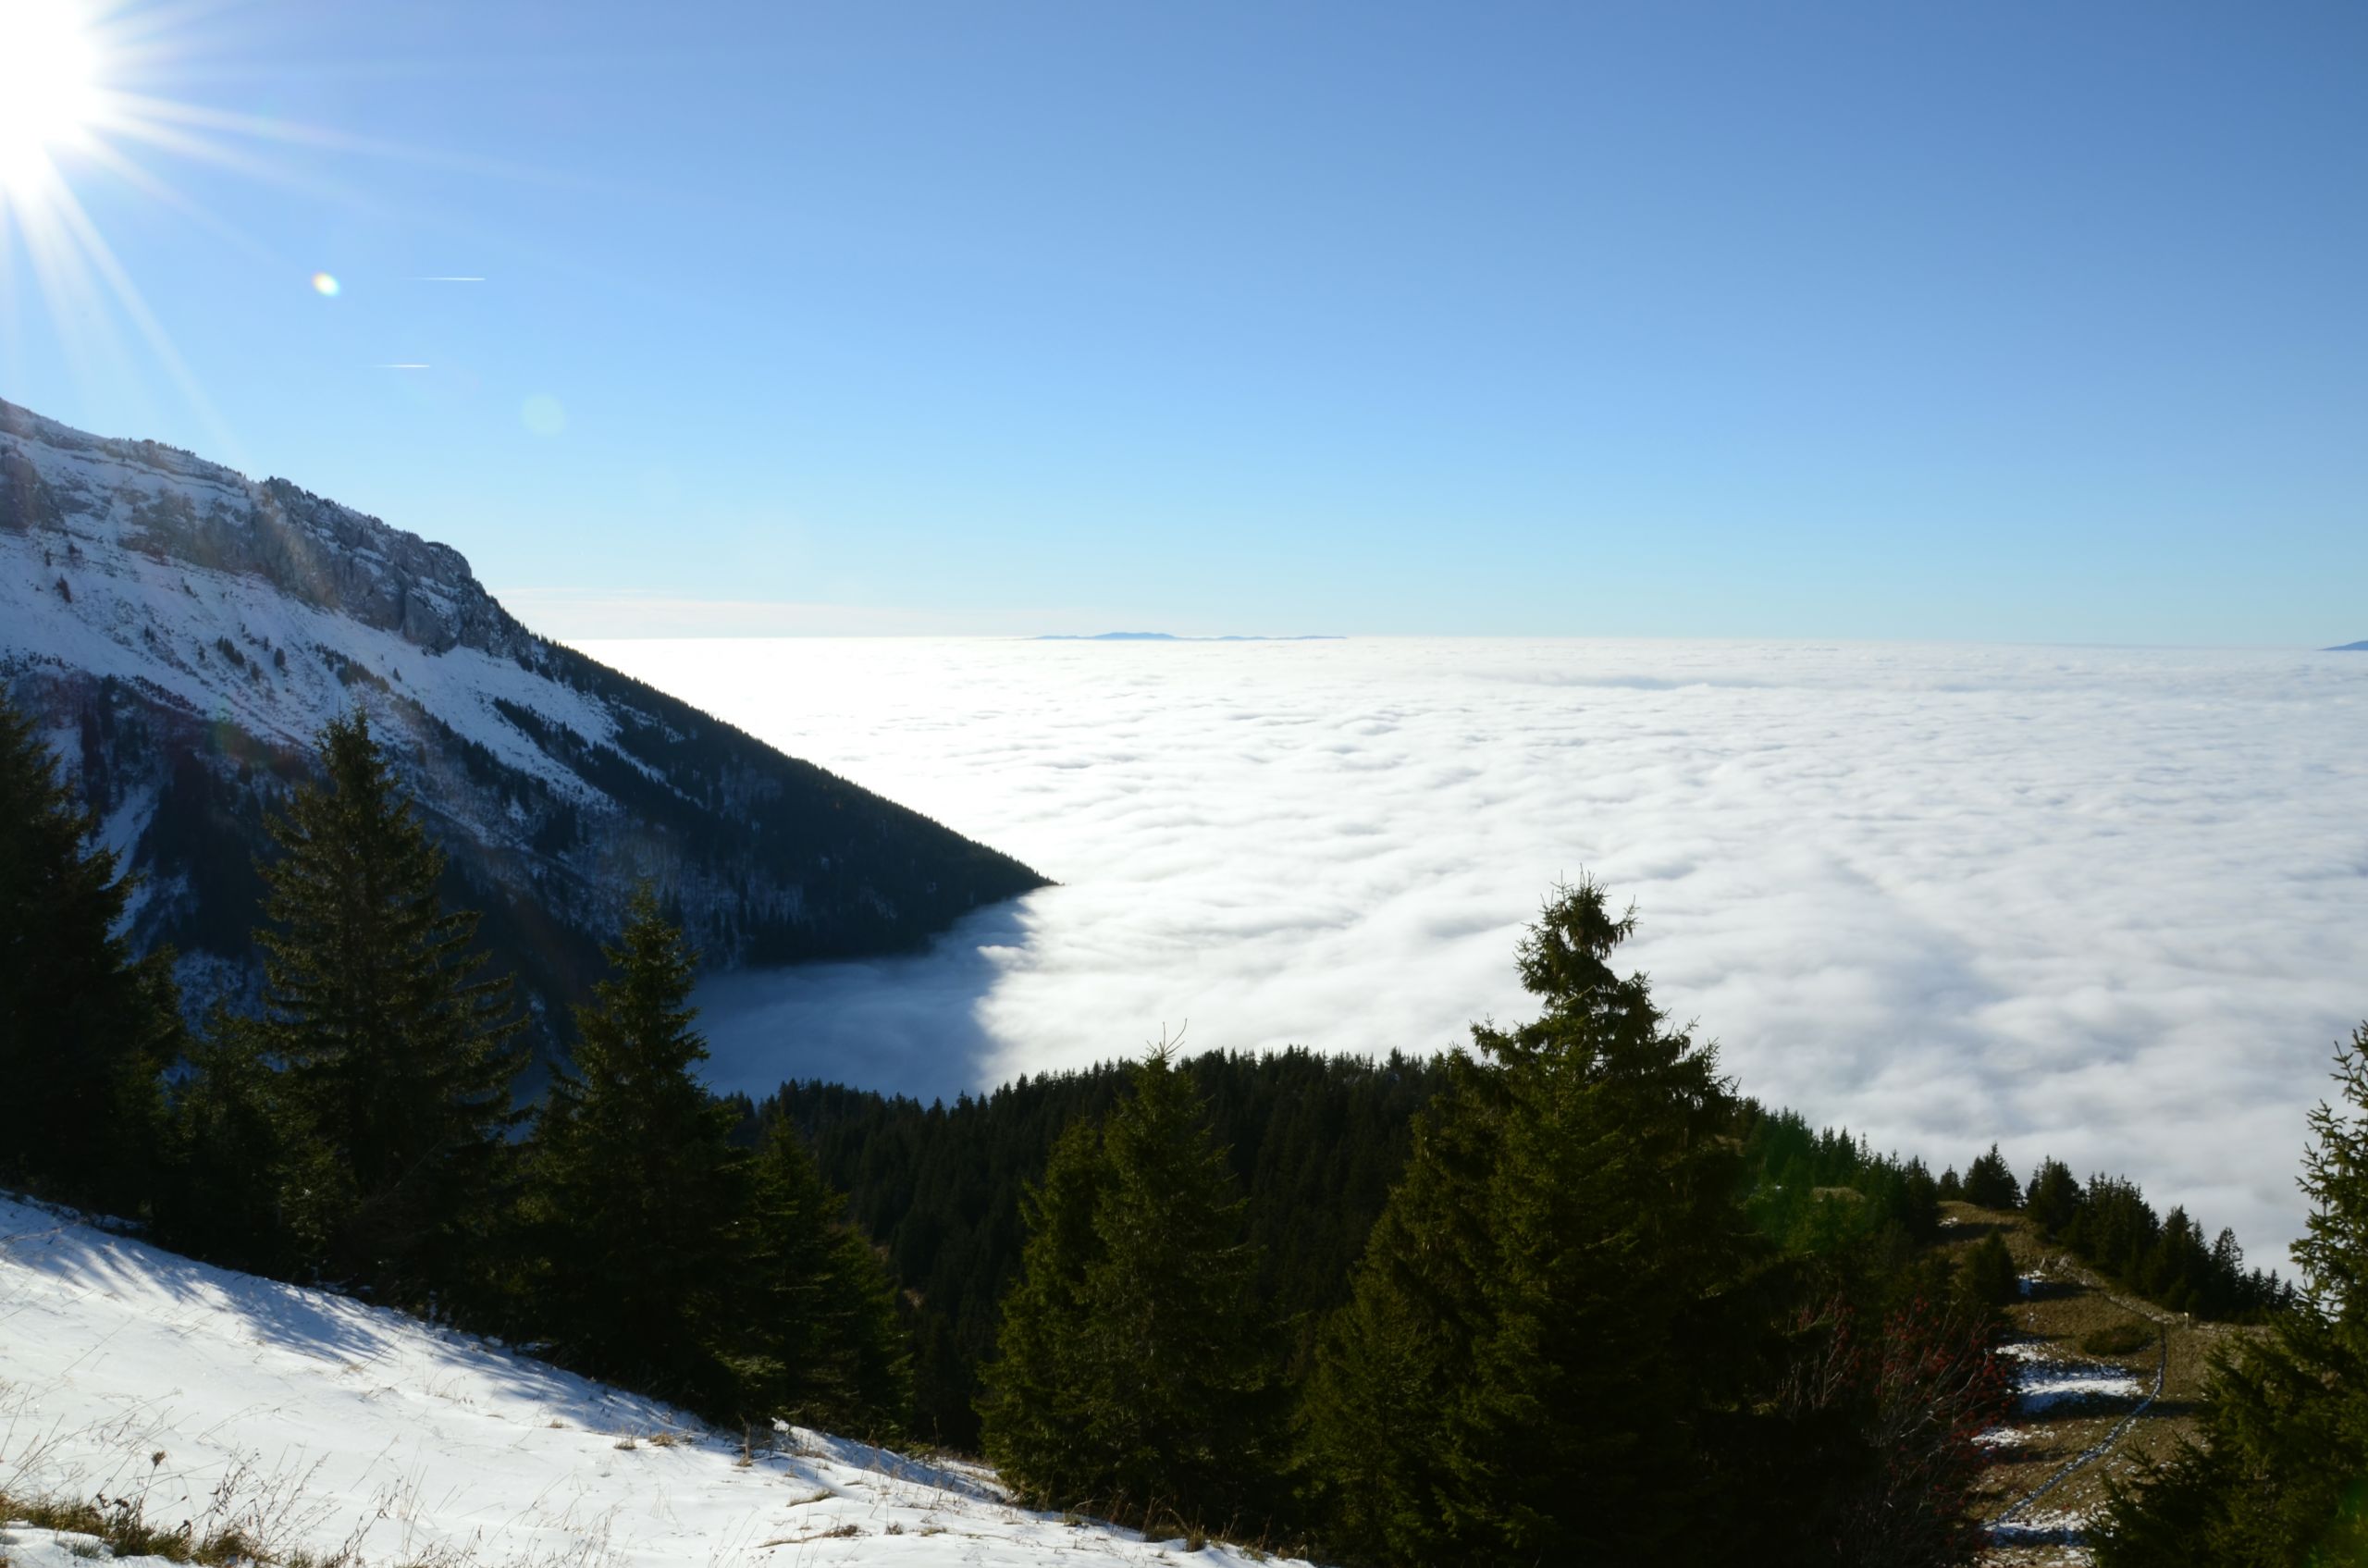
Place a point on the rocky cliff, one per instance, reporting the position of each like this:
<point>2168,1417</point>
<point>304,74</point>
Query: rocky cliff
<point>183,632</point>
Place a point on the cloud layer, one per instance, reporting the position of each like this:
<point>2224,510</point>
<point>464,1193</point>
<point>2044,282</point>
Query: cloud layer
<point>2109,905</point>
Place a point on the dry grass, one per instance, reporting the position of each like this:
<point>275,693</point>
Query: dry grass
<point>122,1525</point>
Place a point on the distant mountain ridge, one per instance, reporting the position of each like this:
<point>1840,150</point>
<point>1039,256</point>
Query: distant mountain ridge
<point>1171,637</point>
<point>2349,648</point>
<point>183,632</point>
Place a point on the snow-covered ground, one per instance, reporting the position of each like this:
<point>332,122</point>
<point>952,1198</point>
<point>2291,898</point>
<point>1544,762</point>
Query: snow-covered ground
<point>322,1425</point>
<point>163,624</point>
<point>2045,1377</point>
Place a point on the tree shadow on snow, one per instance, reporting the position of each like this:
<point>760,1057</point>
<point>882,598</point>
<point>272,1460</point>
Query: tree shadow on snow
<point>349,1337</point>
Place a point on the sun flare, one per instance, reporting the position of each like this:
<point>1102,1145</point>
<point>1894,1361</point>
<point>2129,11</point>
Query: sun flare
<point>48,86</point>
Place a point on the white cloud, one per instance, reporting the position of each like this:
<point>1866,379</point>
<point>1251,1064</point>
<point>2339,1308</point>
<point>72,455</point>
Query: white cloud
<point>2110,904</point>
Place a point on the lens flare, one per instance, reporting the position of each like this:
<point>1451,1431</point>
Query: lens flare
<point>543,415</point>
<point>91,97</point>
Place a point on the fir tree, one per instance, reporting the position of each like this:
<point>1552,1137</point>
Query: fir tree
<point>1545,1330</point>
<point>1034,1407</point>
<point>2053,1200</point>
<point>226,1154</point>
<point>1397,1358</point>
<point>2279,1472</point>
<point>637,1195</point>
<point>825,1344</point>
<point>1990,1184</point>
<point>1136,1372</point>
<point>1987,1277</point>
<point>398,1059</point>
<point>85,1031</point>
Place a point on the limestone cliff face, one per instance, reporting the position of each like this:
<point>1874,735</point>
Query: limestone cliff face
<point>185,630</point>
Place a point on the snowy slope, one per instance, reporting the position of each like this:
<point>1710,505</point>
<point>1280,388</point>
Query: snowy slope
<point>182,632</point>
<point>325,1424</point>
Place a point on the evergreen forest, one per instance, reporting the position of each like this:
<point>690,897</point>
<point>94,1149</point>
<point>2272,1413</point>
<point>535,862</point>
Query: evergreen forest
<point>1565,1296</point>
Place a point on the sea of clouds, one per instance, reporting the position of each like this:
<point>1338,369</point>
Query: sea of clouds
<point>2106,904</point>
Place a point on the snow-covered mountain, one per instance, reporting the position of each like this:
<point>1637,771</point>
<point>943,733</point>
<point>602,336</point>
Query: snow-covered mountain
<point>184,632</point>
<point>319,1425</point>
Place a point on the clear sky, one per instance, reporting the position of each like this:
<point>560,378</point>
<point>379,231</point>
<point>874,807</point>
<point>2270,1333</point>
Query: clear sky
<point>1963,320</point>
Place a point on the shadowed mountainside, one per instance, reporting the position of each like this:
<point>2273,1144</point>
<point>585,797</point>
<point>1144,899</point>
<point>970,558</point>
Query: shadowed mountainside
<point>182,632</point>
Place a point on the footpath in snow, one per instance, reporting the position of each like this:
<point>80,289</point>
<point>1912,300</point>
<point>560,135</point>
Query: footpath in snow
<point>323,1425</point>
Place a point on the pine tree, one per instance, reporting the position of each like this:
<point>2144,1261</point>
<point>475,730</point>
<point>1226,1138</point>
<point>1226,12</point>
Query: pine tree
<point>85,1031</point>
<point>827,1347</point>
<point>398,1059</point>
<point>637,1195</point>
<point>1546,1329</point>
<point>1135,1373</point>
<point>2279,1472</point>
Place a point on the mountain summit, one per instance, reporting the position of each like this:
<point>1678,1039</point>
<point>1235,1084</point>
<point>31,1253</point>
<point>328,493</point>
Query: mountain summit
<point>183,632</point>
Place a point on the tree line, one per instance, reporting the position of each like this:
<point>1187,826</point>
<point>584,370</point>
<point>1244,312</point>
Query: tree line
<point>1563,1297</point>
<point>2107,1222</point>
<point>1312,1142</point>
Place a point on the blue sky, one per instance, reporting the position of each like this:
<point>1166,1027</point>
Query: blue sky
<point>1997,321</point>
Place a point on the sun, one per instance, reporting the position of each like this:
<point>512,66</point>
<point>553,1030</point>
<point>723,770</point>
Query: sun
<point>48,86</point>
<point>91,98</point>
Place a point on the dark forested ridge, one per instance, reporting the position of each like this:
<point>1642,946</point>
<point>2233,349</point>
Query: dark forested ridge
<point>180,634</point>
<point>1314,1141</point>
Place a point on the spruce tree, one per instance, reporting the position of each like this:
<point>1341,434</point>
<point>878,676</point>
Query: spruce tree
<point>1396,1358</point>
<point>2277,1472</point>
<point>1990,1183</point>
<point>1136,1372</point>
<point>398,1058</point>
<point>2053,1198</point>
<point>1987,1277</point>
<point>1033,1410</point>
<point>1544,1341</point>
<point>638,1196</point>
<point>227,1154</point>
<point>85,1029</point>
<point>823,1342</point>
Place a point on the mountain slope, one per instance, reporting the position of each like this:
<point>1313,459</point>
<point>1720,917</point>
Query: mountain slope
<point>183,632</point>
<point>322,1424</point>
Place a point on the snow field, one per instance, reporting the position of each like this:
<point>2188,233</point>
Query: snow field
<point>319,1424</point>
<point>156,623</point>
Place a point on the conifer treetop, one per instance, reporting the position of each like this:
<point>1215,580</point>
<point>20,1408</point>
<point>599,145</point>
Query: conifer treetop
<point>2333,1253</point>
